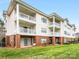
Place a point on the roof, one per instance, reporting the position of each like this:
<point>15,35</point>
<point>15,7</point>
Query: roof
<point>13,3</point>
<point>56,15</point>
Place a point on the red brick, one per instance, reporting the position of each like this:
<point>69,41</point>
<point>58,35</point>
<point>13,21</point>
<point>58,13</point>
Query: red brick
<point>53,40</point>
<point>17,41</point>
<point>61,40</point>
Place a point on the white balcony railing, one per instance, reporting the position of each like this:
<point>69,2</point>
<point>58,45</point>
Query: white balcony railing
<point>27,31</point>
<point>50,33</point>
<point>57,34</point>
<point>27,17</point>
<point>56,24</point>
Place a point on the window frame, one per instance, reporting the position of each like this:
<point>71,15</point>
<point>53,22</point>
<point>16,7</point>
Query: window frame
<point>44,20</point>
<point>43,30</point>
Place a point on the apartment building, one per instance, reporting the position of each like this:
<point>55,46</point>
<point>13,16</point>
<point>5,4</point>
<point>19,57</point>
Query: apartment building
<point>69,32</point>
<point>27,26</point>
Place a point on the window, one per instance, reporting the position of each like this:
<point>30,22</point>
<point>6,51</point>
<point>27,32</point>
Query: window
<point>44,20</point>
<point>43,40</point>
<point>43,30</point>
<point>66,33</point>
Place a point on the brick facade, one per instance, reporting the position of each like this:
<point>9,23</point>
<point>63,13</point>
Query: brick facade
<point>47,40</point>
<point>37,40</point>
<point>17,41</point>
<point>53,40</point>
<point>9,41</point>
<point>14,40</point>
<point>61,40</point>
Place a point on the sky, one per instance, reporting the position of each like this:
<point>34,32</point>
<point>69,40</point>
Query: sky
<point>65,8</point>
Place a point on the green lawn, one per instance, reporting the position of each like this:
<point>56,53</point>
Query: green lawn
<point>49,52</point>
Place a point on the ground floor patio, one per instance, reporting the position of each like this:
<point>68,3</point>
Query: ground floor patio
<point>21,41</point>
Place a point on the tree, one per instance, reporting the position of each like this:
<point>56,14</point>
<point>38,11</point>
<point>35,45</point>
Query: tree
<point>2,29</point>
<point>2,33</point>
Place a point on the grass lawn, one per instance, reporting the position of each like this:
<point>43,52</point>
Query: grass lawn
<point>50,52</point>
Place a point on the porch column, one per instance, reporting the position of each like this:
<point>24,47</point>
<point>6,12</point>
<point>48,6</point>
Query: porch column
<point>61,40</point>
<point>61,33</point>
<point>17,18</point>
<point>47,40</point>
<point>37,40</point>
<point>12,41</point>
<point>17,41</point>
<point>53,38</point>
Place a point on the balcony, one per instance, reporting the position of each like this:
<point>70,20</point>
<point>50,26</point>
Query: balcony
<point>50,34</point>
<point>56,24</point>
<point>27,31</point>
<point>57,34</point>
<point>27,18</point>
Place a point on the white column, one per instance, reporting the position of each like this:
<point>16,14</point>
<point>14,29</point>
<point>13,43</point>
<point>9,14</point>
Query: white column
<point>53,25</point>
<point>71,32</point>
<point>17,18</point>
<point>61,29</point>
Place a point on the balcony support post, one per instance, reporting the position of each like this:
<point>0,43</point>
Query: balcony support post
<point>61,29</point>
<point>17,18</point>
<point>53,30</point>
<point>61,34</point>
<point>17,40</point>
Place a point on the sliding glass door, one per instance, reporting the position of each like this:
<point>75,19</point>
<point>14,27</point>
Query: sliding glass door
<point>26,41</point>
